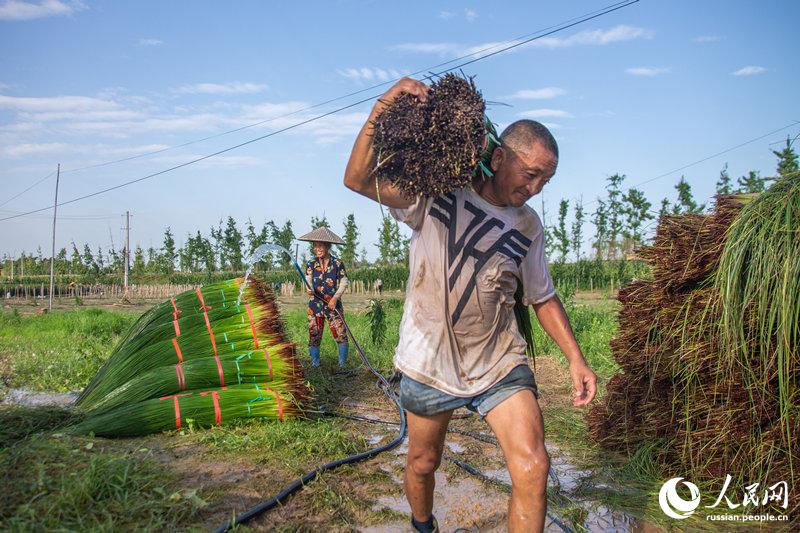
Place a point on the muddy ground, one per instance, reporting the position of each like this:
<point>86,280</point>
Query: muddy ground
<point>368,496</point>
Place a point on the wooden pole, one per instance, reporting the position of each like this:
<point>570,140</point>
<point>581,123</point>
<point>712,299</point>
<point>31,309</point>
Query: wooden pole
<point>53,255</point>
<point>127,248</point>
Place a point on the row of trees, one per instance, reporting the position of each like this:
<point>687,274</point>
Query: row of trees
<point>622,220</point>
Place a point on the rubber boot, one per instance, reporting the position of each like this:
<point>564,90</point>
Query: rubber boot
<point>313,351</point>
<point>342,354</point>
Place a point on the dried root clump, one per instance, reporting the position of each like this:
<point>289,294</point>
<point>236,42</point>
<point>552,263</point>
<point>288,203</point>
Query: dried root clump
<point>432,148</point>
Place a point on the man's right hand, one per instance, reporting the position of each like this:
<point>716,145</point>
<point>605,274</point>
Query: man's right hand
<point>403,85</point>
<point>358,174</point>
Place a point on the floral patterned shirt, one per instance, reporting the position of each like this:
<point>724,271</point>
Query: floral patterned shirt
<point>325,283</point>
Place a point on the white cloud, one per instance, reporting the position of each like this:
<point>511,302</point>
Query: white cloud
<point>646,71</point>
<point>707,39</point>
<point>470,14</point>
<point>56,103</point>
<point>235,87</point>
<point>446,15</point>
<point>592,37</point>
<point>545,113</point>
<point>749,71</point>
<point>595,37</point>
<point>150,41</point>
<point>544,93</point>
<point>426,48</point>
<point>19,10</point>
<point>15,151</point>
<point>4,86</point>
<point>369,74</point>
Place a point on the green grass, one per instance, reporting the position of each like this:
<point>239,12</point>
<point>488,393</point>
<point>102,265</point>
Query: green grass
<point>69,484</point>
<point>60,351</point>
<point>594,326</point>
<point>299,445</point>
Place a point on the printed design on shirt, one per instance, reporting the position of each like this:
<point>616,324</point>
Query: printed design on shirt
<point>512,243</point>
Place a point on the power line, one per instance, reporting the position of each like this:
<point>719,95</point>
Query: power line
<point>29,188</point>
<point>703,160</point>
<point>613,7</point>
<point>580,19</point>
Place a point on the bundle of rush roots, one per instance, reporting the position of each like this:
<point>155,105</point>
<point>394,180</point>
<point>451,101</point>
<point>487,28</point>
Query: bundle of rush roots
<point>434,147</point>
<point>710,347</point>
<point>199,356</point>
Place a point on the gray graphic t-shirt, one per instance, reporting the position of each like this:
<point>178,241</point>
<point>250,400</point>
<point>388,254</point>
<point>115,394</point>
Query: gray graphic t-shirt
<point>458,332</point>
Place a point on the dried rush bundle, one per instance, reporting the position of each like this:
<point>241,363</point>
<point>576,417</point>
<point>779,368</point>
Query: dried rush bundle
<point>436,147</point>
<point>203,408</point>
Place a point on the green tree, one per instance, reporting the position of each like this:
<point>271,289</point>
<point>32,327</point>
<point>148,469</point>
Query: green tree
<point>637,212</point>
<point>218,245</point>
<point>88,259</point>
<point>284,237</point>
<point>350,241</point>
<point>139,265</point>
<point>600,221</point>
<point>685,203</point>
<point>76,263</point>
<point>787,160</point>
<point>616,212</point>
<point>232,245</point>
<point>560,235</point>
<point>664,210</point>
<point>168,255</point>
<point>724,183</point>
<point>390,243</point>
<point>576,238</point>
<point>753,182</point>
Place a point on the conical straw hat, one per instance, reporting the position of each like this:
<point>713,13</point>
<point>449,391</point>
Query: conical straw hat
<point>321,234</point>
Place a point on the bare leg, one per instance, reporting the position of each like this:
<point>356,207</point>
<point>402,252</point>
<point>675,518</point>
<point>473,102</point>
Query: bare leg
<point>425,442</point>
<point>517,423</point>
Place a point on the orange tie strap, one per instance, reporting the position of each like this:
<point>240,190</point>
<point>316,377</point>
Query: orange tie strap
<point>177,407</point>
<point>278,398</point>
<point>252,324</point>
<point>181,376</point>
<point>203,306</point>
<point>269,363</point>
<point>177,350</point>
<point>220,372</point>
<point>217,411</point>
<point>175,315</point>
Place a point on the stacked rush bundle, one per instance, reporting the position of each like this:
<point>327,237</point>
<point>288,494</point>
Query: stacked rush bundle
<point>710,348</point>
<point>207,352</point>
<point>434,147</point>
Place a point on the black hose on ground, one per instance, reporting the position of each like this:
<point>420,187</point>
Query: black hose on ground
<point>296,485</point>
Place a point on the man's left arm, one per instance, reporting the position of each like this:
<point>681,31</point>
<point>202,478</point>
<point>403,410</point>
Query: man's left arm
<point>555,322</point>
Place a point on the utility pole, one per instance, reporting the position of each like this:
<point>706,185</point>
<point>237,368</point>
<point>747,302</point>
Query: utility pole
<point>127,248</point>
<point>53,254</point>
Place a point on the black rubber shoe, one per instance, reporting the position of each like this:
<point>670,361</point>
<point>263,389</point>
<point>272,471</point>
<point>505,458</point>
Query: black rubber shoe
<point>431,526</point>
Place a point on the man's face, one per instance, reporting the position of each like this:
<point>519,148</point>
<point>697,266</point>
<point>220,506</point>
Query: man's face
<point>519,175</point>
<point>321,249</point>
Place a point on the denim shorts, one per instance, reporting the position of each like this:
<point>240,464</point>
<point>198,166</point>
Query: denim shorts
<point>424,400</point>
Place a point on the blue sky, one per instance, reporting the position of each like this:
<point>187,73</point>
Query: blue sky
<point>640,91</point>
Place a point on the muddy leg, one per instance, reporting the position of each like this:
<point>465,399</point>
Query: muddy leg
<point>517,423</point>
<point>425,442</point>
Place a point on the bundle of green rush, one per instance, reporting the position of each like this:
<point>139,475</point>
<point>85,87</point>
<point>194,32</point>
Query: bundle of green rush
<point>202,407</point>
<point>198,343</point>
<point>438,146</point>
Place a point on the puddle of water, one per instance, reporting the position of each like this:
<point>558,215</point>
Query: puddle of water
<point>27,398</point>
<point>456,504</point>
<point>455,447</point>
<point>375,438</point>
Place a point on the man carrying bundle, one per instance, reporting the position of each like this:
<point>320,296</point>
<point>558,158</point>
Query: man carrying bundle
<point>459,343</point>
